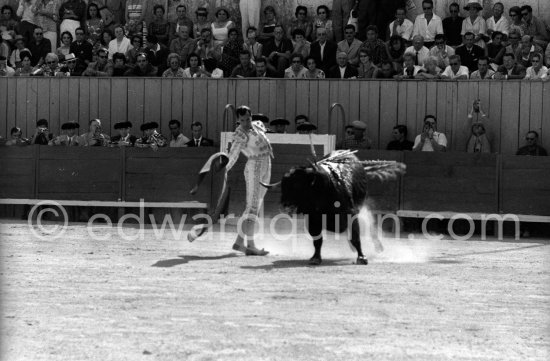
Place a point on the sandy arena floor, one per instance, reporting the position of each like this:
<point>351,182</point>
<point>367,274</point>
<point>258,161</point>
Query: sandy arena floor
<point>162,298</point>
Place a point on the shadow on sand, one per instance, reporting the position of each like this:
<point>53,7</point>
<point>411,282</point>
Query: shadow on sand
<point>302,263</point>
<point>186,259</point>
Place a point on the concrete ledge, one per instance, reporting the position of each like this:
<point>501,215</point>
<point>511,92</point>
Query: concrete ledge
<point>188,204</point>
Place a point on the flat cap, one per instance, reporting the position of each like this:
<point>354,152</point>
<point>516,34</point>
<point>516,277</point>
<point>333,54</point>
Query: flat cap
<point>357,124</point>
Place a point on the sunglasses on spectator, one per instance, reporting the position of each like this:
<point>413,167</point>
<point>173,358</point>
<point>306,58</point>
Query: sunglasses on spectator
<point>455,63</point>
<point>296,62</point>
<point>513,15</point>
<point>103,56</point>
<point>38,33</point>
<point>439,42</point>
<point>530,138</point>
<point>427,8</point>
<point>524,14</point>
<point>322,12</point>
<point>349,32</point>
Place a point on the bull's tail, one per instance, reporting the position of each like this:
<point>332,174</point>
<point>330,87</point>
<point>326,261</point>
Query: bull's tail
<point>383,169</point>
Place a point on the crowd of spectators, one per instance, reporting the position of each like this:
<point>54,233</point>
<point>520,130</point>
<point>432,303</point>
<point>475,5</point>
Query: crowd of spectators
<point>356,40</point>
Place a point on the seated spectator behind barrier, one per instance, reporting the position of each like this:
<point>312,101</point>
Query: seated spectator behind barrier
<point>160,27</point>
<point>401,26</point>
<point>483,70</point>
<point>202,22</point>
<point>534,27</point>
<point>395,48</point>
<point>42,135</point>
<point>418,50</point>
<point>252,45</point>
<point>547,55</point>
<point>431,70</point>
<point>532,147</point>
<point>400,141</point>
<point>184,21</point>
<point>50,68</point>
<point>441,51</point>
<point>205,46</point>
<point>183,44</point>
<point>410,70</point>
<point>151,138</point>
<point>322,21</point>
<point>142,68</point>
<point>16,138</point>
<point>7,19</point>
<point>495,49</point>
<point>497,22</point>
<point>245,69</point>
<point>514,43</point>
<point>478,142</point>
<point>350,45</point>
<point>102,67</point>
<point>537,71</point>
<point>386,71</point>
<point>296,69</point>
<point>375,46</point>
<point>137,47</point>
<point>5,70</point>
<point>194,67</point>
<point>278,50</point>
<point>343,69</point>
<point>366,69</point>
<point>174,69</point>
<point>359,140</point>
<point>177,139</point>
<point>428,25</point>
<point>323,51</point>
<point>69,136</point>
<point>455,70</point>
<point>509,69</point>
<point>526,51</point>
<point>198,139</point>
<point>211,70</point>
<point>301,22</point>
<point>452,26</point>
<point>475,23</point>
<point>469,52</point>
<point>25,68</point>
<point>39,47</point>
<point>312,71</point>
<point>231,51</point>
<point>95,136</point>
<point>157,53</point>
<point>123,138</point>
<point>15,56</point>
<point>301,45</point>
<point>119,64</point>
<point>430,140</point>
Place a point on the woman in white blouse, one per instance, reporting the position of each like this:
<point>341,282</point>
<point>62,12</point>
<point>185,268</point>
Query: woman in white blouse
<point>120,44</point>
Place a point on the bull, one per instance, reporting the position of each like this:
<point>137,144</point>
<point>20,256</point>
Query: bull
<point>330,193</point>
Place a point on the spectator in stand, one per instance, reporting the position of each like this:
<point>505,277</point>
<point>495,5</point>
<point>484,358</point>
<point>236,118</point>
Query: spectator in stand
<point>359,140</point>
<point>400,141</point>
<point>231,52</point>
<point>527,50</point>
<point>252,45</point>
<point>120,44</point>
<point>160,26</point>
<point>532,148</point>
<point>301,45</point>
<point>279,125</point>
<point>469,52</point>
<point>143,67</point>
<point>396,49</point>
<point>205,46</point>
<point>211,70</point>
<point>25,68</point>
<point>110,21</point>
<point>341,10</point>
<point>419,50</point>
<point>343,69</point>
<point>174,69</point>
<point>198,139</point>
<point>69,136</point>
<point>46,14</point>
<point>81,49</point>
<point>483,70</point>
<point>94,23</point>
<point>323,21</point>
<point>452,26</point>
<point>323,51</point>
<point>70,67</point>
<point>119,64</point>
<point>221,26</point>
<point>537,71</point>
<point>136,48</point>
<point>65,48</point>
<point>401,26</point>
<point>410,69</point>
<point>475,24</point>
<point>5,70</point>
<point>182,21</point>
<point>42,135</point>
<point>301,22</point>
<point>177,139</point>
<point>157,53</point>
<point>116,10</point>
<point>441,51</point>
<point>194,67</point>
<point>28,21</point>
<point>547,55</point>
<point>102,67</point>
<point>350,45</point>
<point>428,25</point>
<point>430,140</point>
<point>366,69</point>
<point>495,49</point>
<point>124,138</point>
<point>267,28</point>
<point>386,71</point>
<point>534,27</point>
<point>8,21</point>
<point>312,71</point>
<point>152,138</point>
<point>51,67</point>
<point>455,70</point>
<point>517,23</point>
<point>296,69</point>
<point>73,13</point>
<point>443,7</point>
<point>245,69</point>
<point>183,45</point>
<point>106,36</point>
<point>431,70</point>
<point>135,15</point>
<point>509,69</point>
<point>95,136</point>
<point>4,45</point>
<point>374,46</point>
<point>514,43</point>
<point>16,138</point>
<point>497,22</point>
<point>278,50</point>
<point>202,22</point>
<point>39,47</point>
<point>172,9</point>
<point>15,56</point>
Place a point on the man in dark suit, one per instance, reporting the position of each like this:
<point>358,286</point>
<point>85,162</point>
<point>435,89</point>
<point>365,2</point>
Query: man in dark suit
<point>510,69</point>
<point>323,51</point>
<point>82,49</point>
<point>157,53</point>
<point>469,52</point>
<point>343,70</point>
<point>39,47</point>
<point>124,138</point>
<point>262,71</point>
<point>198,140</point>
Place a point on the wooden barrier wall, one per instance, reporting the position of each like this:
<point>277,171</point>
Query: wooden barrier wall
<point>514,107</point>
<point>454,182</point>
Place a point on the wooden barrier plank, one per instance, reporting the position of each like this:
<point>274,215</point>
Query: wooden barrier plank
<point>545,140</point>
<point>73,89</point>
<point>199,101</point>
<point>31,101</point>
<point>176,100</point>
<point>21,107</point>
<point>54,103</point>
<point>241,91</point>
<point>441,104</point>
<point>421,100</point>
<point>445,125</point>
<point>303,98</point>
<point>95,104</point>
<point>43,104</point>
<point>166,108</point>
<point>355,99</point>
<point>389,112</point>
<point>272,101</point>
<point>323,106</point>
<point>263,96</point>
<point>510,117</point>
<point>402,105</point>
<point>119,104</point>
<point>210,126</point>
<point>104,105</point>
<point>312,104</point>
<point>135,101</point>
<point>84,98</point>
<point>536,114</point>
<point>494,128</point>
<point>280,99</point>
<point>4,130</point>
<point>223,100</point>
<point>255,91</point>
<point>343,98</point>
<point>64,102</point>
<point>290,99</point>
<point>373,123</point>
<point>337,122</point>
<point>432,95</point>
<point>411,92</point>
<point>11,107</point>
<point>461,127</point>
<point>152,101</point>
<point>524,113</point>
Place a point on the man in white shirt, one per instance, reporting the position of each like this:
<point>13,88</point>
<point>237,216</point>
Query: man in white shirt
<point>430,140</point>
<point>537,71</point>
<point>455,70</point>
<point>409,69</point>
<point>497,22</point>
<point>483,70</point>
<point>428,25</point>
<point>441,51</point>
<point>419,51</point>
<point>401,25</point>
<point>177,139</point>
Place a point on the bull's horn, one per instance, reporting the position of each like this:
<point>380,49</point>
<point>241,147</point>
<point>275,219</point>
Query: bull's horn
<point>269,186</point>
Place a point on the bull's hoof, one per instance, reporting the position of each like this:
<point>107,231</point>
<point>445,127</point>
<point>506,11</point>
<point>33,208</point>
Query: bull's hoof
<point>315,261</point>
<point>362,260</point>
